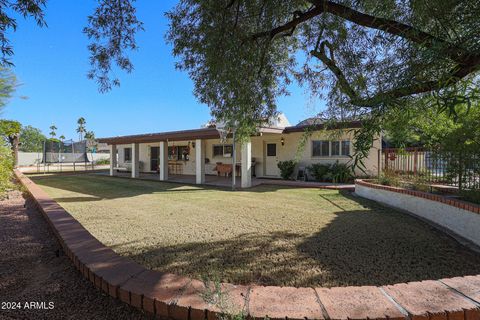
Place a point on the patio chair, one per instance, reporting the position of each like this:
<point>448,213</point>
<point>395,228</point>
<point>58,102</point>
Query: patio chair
<point>302,174</point>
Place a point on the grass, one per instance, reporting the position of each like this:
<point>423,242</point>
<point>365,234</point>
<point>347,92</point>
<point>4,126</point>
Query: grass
<point>267,235</point>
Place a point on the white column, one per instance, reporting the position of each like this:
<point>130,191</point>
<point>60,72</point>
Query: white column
<point>135,161</point>
<point>199,161</point>
<point>246,164</point>
<point>163,160</point>
<point>113,159</point>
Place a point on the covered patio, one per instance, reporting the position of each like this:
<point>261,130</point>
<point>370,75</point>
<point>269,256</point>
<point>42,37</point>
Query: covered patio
<point>217,181</point>
<point>197,145</point>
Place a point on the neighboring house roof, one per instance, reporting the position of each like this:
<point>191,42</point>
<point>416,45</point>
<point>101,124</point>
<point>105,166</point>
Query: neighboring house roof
<point>311,124</point>
<point>212,133</point>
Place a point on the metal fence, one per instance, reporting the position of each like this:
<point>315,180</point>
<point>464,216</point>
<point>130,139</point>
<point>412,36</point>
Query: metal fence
<point>433,166</point>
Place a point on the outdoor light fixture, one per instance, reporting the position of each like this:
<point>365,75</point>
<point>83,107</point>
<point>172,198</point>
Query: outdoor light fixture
<point>282,141</point>
<point>193,144</point>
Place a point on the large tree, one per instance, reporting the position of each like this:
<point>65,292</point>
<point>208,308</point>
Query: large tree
<point>31,139</point>
<point>364,57</point>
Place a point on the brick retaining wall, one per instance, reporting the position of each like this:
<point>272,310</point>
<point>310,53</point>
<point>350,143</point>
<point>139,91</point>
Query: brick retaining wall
<point>178,297</point>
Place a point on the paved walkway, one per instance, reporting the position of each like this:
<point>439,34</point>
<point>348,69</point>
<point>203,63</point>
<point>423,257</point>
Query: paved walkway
<point>32,269</point>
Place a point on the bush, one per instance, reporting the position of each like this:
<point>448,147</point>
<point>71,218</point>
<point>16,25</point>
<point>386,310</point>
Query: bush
<point>340,173</point>
<point>6,169</point>
<point>286,168</point>
<point>388,178</point>
<point>472,195</point>
<point>321,172</point>
<point>102,161</point>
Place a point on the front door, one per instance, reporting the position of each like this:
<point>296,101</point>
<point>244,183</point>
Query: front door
<point>271,159</point>
<point>154,157</point>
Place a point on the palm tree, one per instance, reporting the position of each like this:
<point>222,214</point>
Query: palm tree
<point>53,132</point>
<point>81,127</point>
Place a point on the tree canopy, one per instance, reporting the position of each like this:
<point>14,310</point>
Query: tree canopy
<point>9,131</point>
<point>360,55</point>
<point>31,139</point>
<point>363,57</point>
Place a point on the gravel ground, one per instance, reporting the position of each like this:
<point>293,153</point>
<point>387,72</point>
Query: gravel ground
<point>31,271</point>
<point>265,235</point>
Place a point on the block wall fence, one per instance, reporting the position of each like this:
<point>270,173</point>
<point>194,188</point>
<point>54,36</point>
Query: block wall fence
<point>179,298</point>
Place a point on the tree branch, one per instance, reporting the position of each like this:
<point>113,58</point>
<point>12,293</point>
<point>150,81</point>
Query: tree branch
<point>390,26</point>
<point>454,76</point>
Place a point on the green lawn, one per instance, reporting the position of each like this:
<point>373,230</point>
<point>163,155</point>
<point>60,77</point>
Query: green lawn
<point>266,235</point>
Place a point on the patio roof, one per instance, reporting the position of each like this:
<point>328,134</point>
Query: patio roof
<point>212,133</point>
<point>202,133</point>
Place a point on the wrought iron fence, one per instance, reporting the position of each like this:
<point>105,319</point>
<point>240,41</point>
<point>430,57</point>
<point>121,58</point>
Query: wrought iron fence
<point>433,166</point>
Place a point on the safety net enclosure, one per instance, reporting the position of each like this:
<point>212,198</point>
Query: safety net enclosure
<point>67,151</point>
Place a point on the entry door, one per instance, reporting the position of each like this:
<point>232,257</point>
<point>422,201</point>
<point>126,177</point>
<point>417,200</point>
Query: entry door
<point>154,157</point>
<point>271,159</point>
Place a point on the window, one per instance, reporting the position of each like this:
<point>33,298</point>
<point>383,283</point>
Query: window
<point>335,148</point>
<point>179,153</point>
<point>218,151</point>
<point>127,154</point>
<point>320,148</point>
<point>345,148</point>
<point>271,149</point>
<point>223,150</point>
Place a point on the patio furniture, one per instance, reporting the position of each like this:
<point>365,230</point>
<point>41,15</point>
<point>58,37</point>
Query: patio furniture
<point>175,167</point>
<point>302,174</point>
<point>223,169</point>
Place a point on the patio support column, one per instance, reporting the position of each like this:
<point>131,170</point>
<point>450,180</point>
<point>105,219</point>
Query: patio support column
<point>246,159</point>
<point>113,159</point>
<point>199,161</point>
<point>163,161</point>
<point>135,162</point>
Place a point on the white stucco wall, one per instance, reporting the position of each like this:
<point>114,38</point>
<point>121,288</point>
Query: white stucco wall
<point>462,222</point>
<point>33,158</point>
<point>286,152</point>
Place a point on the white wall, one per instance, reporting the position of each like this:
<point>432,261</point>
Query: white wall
<point>32,158</point>
<point>462,222</point>
<point>286,152</point>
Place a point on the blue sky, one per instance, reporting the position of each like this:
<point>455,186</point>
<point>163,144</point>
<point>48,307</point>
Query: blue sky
<point>51,65</point>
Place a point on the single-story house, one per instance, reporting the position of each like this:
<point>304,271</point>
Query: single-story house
<point>199,152</point>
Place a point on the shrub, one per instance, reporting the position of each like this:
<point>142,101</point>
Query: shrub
<point>102,161</point>
<point>388,178</point>
<point>286,168</point>
<point>6,169</point>
<point>340,173</point>
<point>320,171</point>
<point>472,195</point>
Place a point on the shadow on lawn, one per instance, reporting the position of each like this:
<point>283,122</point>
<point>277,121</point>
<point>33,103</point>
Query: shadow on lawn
<point>357,248</point>
<point>99,187</point>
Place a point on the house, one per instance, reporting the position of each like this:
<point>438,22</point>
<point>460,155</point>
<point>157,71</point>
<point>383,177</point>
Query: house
<point>199,152</point>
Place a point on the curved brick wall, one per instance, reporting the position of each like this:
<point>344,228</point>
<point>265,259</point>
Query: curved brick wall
<point>178,297</point>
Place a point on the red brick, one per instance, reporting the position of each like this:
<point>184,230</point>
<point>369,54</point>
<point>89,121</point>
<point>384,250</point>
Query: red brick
<point>236,300</point>
<point>192,298</point>
<point>358,303</point>
<point>162,288</point>
<point>284,302</point>
<point>429,299</point>
<point>468,285</point>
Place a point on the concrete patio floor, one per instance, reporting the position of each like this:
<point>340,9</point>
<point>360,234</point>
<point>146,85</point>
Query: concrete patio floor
<point>226,182</point>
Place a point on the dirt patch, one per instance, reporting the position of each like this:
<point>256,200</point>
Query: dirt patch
<point>34,270</point>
